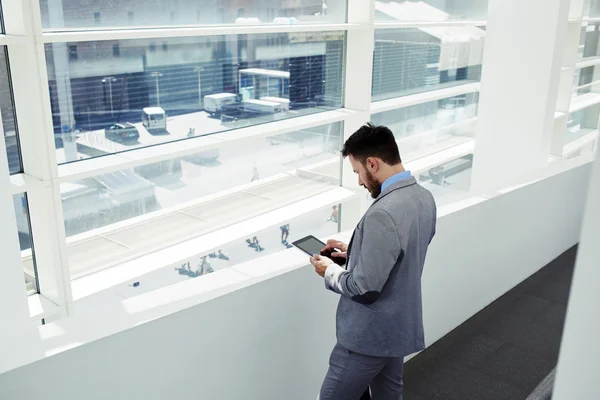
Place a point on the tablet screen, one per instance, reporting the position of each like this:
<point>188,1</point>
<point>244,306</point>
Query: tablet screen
<point>310,245</point>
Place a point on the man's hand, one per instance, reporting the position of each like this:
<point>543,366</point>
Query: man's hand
<point>336,244</point>
<point>320,263</point>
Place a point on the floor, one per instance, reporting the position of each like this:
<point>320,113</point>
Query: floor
<point>504,351</point>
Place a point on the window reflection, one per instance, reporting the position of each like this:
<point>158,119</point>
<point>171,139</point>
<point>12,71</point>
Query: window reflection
<point>106,101</point>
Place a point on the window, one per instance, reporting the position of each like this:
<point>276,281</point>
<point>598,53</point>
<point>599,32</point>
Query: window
<point>75,14</point>
<point>426,129</point>
<point>165,46</point>
<point>592,9</point>
<point>128,213</point>
<point>589,44</point>
<point>408,61</point>
<point>580,123</point>
<point>116,49</point>
<point>239,88</point>
<point>8,115</point>
<point>430,10</point>
<point>27,254</point>
<point>586,80</point>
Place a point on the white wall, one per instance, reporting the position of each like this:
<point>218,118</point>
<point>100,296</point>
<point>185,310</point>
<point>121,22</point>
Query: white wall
<point>577,372</point>
<point>271,340</point>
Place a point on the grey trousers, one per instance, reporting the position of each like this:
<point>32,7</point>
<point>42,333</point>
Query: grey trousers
<point>350,374</point>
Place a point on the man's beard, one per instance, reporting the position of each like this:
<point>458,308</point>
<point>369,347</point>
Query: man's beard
<point>372,185</point>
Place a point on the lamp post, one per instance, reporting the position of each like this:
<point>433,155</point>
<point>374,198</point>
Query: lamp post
<point>110,80</point>
<point>156,75</point>
<point>199,71</point>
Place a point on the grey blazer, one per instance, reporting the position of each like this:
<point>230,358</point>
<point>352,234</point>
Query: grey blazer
<point>380,309</point>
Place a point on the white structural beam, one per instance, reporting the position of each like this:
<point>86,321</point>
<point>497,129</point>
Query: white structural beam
<point>518,89</point>
<point>577,372</point>
<point>36,136</point>
<point>357,96</point>
<point>14,308</point>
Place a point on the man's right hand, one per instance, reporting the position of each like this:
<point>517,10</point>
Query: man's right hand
<point>336,244</point>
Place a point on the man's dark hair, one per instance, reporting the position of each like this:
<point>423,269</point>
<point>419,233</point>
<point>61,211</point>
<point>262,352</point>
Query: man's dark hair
<point>373,141</point>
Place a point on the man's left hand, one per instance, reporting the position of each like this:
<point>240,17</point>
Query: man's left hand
<point>320,263</point>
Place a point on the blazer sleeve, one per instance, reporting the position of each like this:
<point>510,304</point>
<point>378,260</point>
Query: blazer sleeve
<point>370,262</point>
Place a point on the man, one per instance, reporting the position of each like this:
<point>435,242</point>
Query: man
<point>379,317</point>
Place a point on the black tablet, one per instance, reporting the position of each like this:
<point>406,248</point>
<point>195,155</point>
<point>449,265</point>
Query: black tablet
<point>311,246</point>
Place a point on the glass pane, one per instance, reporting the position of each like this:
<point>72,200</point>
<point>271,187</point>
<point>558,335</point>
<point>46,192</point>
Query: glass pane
<point>430,10</point>
<point>408,61</point>
<point>424,131</point>
<point>125,13</point>
<point>22,214</point>
<point>8,115</point>
<point>589,42</point>
<point>154,92</point>
<point>586,80</point>
<point>125,214</point>
<point>592,8</point>
<point>580,123</point>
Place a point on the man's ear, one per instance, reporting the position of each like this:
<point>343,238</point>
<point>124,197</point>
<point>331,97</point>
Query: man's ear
<point>372,164</point>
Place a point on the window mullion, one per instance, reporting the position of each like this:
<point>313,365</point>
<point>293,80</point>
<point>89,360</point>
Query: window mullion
<point>36,134</point>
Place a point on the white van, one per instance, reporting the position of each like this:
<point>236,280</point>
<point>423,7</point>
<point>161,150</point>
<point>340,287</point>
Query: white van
<point>213,103</point>
<point>154,118</point>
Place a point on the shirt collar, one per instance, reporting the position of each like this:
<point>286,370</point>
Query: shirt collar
<point>400,176</point>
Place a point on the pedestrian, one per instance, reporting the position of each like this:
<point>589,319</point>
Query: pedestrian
<point>334,214</point>
<point>379,318</point>
<point>255,176</point>
<point>285,233</point>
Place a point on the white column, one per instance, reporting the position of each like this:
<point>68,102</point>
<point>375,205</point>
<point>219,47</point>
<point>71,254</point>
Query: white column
<point>519,85</point>
<point>31,95</point>
<point>577,373</point>
<point>14,308</point>
<point>357,97</point>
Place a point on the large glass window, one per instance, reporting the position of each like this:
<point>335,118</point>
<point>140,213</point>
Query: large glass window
<point>121,215</point>
<point>408,61</point>
<point>105,104</point>
<point>426,130</point>
<point>8,115</point>
<point>430,10</point>
<point>66,14</point>
<point>27,255</point>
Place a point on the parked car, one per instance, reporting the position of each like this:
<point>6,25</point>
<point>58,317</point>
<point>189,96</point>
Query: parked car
<point>123,132</point>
